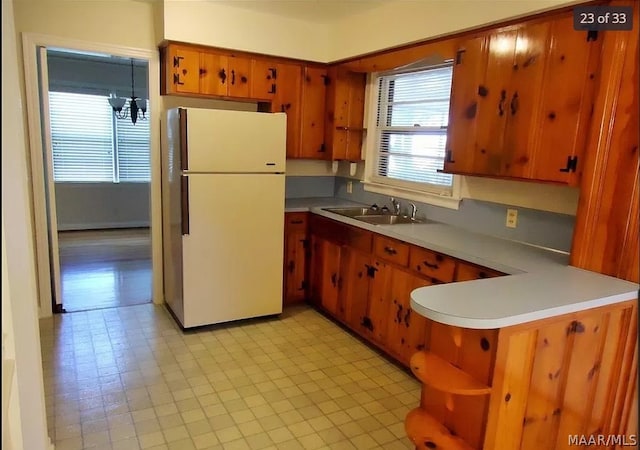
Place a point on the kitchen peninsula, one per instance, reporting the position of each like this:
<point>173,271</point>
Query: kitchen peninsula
<point>511,341</point>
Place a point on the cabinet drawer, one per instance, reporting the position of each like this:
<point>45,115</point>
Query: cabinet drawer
<point>340,233</point>
<point>391,250</point>
<point>432,264</point>
<point>296,221</point>
<point>468,271</point>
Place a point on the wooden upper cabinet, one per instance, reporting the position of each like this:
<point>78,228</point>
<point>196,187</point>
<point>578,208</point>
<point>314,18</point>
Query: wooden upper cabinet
<point>264,74</point>
<point>214,78</point>
<point>204,72</point>
<point>344,114</point>
<point>521,100</point>
<point>239,76</point>
<point>569,88</point>
<point>314,81</point>
<point>287,100</point>
<point>181,70</point>
<point>224,75</point>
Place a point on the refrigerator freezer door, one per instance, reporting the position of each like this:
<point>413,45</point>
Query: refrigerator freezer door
<point>222,141</point>
<point>233,254</point>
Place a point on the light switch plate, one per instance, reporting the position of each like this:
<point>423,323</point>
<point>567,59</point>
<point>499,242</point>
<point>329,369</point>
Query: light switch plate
<point>512,218</point>
<point>349,187</point>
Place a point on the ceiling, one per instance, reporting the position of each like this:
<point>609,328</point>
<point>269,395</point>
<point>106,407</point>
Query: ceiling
<point>319,11</point>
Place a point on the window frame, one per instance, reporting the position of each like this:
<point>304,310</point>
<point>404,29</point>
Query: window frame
<point>448,197</point>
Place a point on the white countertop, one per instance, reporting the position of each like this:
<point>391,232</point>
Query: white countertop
<point>308,203</point>
<point>515,299</point>
<point>540,285</point>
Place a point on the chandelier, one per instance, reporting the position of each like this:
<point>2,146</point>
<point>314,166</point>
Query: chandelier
<point>136,108</point>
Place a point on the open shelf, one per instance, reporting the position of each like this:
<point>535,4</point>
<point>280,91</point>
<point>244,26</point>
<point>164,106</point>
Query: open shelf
<point>444,376</point>
<point>427,433</point>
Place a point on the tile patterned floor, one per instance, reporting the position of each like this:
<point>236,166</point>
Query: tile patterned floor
<point>129,378</point>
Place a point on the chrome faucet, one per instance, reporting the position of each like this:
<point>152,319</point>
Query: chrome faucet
<point>414,210</point>
<point>396,206</point>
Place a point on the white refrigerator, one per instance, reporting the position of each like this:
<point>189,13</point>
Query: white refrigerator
<point>222,214</point>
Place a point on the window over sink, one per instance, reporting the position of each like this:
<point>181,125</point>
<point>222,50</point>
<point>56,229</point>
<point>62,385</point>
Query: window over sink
<point>409,111</point>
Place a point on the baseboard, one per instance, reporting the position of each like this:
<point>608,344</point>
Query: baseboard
<point>103,225</point>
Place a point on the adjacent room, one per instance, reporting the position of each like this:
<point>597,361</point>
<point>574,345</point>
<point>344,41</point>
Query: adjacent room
<point>101,175</point>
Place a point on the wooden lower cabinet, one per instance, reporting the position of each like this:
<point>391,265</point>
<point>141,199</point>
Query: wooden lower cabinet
<point>354,288</point>
<point>365,281</point>
<point>296,244</point>
<point>407,331</point>
<point>325,270</point>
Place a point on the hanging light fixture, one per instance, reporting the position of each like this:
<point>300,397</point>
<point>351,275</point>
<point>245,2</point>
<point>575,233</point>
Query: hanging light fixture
<point>136,108</point>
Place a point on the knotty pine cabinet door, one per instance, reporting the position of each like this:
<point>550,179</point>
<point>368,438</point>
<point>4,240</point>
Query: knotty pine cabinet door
<point>214,77</point>
<point>295,258</point>
<point>520,102</point>
<point>380,285</point>
<point>312,115</point>
<point>344,114</point>
<point>239,71</point>
<point>182,69</point>
<point>565,112</point>
<point>264,74</point>
<point>354,288</point>
<point>287,100</point>
<point>325,272</point>
<point>407,330</point>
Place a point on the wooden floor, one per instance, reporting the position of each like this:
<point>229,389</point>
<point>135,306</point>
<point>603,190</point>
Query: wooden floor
<point>105,268</point>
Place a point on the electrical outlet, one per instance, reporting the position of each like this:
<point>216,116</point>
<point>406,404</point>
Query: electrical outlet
<point>349,187</point>
<point>512,218</point>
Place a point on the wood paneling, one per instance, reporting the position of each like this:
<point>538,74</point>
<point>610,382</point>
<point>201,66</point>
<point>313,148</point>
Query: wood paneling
<point>605,239</point>
<point>573,375</point>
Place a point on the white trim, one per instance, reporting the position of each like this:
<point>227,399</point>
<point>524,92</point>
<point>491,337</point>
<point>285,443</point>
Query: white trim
<point>450,199</point>
<point>445,201</point>
<point>30,42</point>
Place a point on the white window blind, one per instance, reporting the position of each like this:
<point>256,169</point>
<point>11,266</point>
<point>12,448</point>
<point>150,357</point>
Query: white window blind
<point>82,137</point>
<point>91,145</point>
<point>412,118</point>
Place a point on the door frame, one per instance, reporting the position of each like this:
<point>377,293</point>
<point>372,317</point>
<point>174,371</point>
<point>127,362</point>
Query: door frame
<point>30,44</point>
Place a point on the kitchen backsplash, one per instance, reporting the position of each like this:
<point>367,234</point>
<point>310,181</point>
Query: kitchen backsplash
<point>306,186</point>
<point>546,229</point>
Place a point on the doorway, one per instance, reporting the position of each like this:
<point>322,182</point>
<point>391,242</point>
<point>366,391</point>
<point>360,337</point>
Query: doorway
<point>97,119</point>
<point>88,234</point>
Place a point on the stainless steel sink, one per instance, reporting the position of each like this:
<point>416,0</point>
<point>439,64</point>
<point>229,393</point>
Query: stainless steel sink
<point>353,211</point>
<point>387,219</point>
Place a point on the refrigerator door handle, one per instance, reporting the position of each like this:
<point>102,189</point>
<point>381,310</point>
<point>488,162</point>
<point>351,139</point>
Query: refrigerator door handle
<point>184,204</point>
<point>184,144</point>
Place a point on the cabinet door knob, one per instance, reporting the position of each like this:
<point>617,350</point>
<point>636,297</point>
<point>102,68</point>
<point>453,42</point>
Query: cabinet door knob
<point>399,314</point>
<point>503,99</point>
<point>515,103</point>
<point>429,265</point>
<point>390,250</point>
<point>233,77</point>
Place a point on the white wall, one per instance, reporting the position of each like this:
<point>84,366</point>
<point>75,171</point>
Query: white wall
<point>220,25</point>
<point>19,298</point>
<point>90,206</point>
